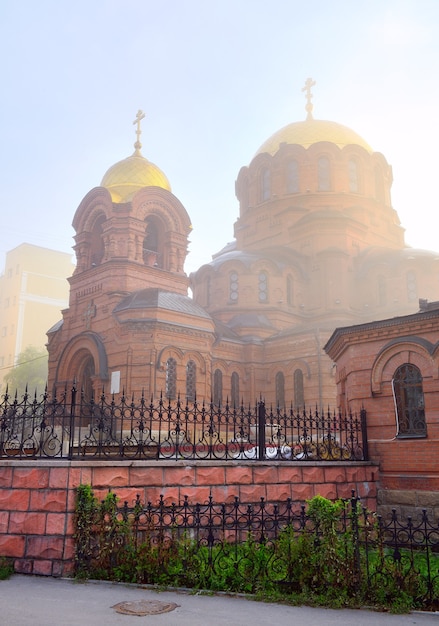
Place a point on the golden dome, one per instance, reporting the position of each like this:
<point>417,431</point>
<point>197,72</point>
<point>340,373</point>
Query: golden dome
<point>312,131</point>
<point>128,176</point>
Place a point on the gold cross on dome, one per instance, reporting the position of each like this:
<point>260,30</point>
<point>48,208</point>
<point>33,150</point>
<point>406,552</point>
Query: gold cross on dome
<point>309,106</point>
<point>139,117</point>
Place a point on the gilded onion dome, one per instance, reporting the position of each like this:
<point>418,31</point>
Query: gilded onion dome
<point>128,176</point>
<point>313,131</point>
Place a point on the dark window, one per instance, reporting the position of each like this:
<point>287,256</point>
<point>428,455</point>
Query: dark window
<point>292,177</point>
<point>97,242</point>
<point>280,389</point>
<point>191,380</point>
<point>217,387</point>
<point>409,401</point>
<point>299,399</point>
<point>235,390</point>
<point>324,174</point>
<point>151,244</point>
<point>171,378</point>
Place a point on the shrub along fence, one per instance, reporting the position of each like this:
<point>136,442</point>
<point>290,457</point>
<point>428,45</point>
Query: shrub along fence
<point>73,427</point>
<point>335,553</point>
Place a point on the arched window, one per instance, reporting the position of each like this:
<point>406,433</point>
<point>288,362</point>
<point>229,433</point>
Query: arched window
<point>299,399</point>
<point>217,387</point>
<point>290,291</point>
<point>324,174</point>
<point>412,288</point>
<point>97,242</point>
<point>379,185</point>
<point>233,287</point>
<point>409,401</point>
<point>353,176</point>
<point>265,184</point>
<point>292,177</point>
<point>191,380</point>
<point>280,389</point>
<point>171,378</point>
<point>151,244</point>
<point>235,390</point>
<point>263,287</point>
<point>85,378</point>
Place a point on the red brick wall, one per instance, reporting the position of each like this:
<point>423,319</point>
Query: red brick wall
<point>37,499</point>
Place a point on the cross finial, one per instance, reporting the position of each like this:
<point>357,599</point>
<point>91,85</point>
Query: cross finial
<point>139,117</point>
<point>309,106</point>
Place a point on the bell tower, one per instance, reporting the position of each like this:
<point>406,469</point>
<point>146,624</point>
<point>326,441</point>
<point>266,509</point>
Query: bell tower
<point>131,234</point>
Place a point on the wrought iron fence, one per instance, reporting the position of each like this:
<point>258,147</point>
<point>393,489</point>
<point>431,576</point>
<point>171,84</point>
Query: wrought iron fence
<point>73,427</point>
<point>283,545</point>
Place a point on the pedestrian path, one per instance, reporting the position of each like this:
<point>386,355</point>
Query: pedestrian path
<point>41,601</point>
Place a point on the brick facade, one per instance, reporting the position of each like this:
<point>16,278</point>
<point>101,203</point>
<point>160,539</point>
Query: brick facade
<point>367,357</point>
<point>317,245</point>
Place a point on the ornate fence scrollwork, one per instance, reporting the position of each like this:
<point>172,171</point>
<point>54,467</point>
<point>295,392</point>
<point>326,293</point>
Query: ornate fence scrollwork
<point>74,427</point>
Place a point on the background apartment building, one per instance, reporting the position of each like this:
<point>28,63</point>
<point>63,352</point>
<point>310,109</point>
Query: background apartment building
<point>33,291</point>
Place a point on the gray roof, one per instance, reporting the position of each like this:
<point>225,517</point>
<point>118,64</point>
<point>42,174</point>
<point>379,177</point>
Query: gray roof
<point>154,298</point>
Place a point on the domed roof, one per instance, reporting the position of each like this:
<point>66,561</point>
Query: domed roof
<point>313,131</point>
<point>128,176</point>
<point>155,298</point>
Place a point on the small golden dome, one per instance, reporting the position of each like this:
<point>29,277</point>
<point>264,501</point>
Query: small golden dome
<point>128,176</point>
<point>312,131</point>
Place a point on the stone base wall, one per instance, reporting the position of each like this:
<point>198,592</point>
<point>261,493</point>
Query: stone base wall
<point>37,499</point>
<point>408,503</point>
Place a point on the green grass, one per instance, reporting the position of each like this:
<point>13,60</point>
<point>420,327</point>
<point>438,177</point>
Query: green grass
<point>6,568</point>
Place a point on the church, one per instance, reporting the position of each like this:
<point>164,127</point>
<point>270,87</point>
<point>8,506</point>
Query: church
<point>317,245</point>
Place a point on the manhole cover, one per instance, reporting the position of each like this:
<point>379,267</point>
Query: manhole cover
<point>144,607</point>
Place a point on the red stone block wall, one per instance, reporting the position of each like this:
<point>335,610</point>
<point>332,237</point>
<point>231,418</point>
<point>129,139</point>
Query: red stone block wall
<point>37,499</point>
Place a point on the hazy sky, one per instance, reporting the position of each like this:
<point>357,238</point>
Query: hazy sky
<point>215,79</point>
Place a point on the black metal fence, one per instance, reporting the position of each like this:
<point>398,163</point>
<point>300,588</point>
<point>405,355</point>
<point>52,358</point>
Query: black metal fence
<point>287,545</point>
<point>73,427</point>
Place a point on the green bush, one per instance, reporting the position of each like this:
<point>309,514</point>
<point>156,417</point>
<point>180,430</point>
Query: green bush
<point>321,563</point>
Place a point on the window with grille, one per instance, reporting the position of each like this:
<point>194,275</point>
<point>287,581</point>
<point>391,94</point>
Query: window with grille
<point>299,400</point>
<point>409,401</point>
<point>233,287</point>
<point>171,378</point>
<point>263,287</point>
<point>217,387</point>
<point>235,390</point>
<point>191,380</point>
<point>280,389</point>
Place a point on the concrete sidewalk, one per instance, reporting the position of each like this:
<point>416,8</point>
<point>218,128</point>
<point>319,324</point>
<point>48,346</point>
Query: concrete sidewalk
<point>40,601</point>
